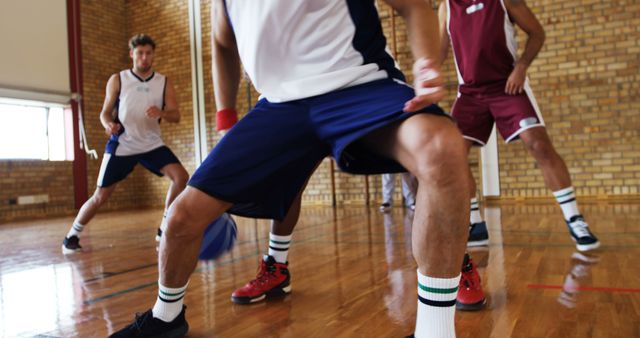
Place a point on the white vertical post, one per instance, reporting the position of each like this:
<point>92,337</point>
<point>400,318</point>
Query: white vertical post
<point>197,81</point>
<point>490,167</point>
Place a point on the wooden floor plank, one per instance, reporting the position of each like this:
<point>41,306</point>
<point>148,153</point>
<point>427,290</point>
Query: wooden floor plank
<point>352,276</point>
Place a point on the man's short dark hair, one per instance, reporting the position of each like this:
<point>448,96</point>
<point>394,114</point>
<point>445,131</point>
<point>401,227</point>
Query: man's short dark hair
<point>141,40</point>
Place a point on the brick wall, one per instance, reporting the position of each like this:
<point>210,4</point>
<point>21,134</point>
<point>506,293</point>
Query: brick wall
<point>585,79</point>
<point>21,178</point>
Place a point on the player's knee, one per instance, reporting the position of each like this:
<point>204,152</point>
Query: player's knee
<point>181,178</point>
<point>540,149</point>
<point>182,223</point>
<point>99,198</point>
<point>440,155</point>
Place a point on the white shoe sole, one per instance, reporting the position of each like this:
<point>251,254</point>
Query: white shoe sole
<point>587,247</point>
<point>484,242</point>
<point>66,251</point>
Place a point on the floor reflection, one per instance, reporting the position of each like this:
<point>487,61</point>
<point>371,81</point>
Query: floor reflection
<point>353,275</point>
<point>579,273</point>
<point>40,299</point>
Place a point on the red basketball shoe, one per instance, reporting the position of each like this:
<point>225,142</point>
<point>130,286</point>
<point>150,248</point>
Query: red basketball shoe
<point>273,279</point>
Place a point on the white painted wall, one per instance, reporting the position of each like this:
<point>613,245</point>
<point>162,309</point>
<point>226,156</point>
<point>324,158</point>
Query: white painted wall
<point>34,60</point>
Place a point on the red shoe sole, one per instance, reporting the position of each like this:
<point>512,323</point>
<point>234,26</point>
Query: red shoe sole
<point>275,292</point>
<point>471,307</point>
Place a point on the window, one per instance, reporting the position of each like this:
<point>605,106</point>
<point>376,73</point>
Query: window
<point>33,130</point>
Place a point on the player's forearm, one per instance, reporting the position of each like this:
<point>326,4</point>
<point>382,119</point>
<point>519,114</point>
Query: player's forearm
<point>534,44</point>
<point>226,76</point>
<point>171,115</point>
<point>105,118</point>
<point>444,34</point>
<point>422,25</point>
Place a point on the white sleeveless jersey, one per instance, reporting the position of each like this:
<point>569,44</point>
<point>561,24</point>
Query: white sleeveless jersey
<point>294,49</point>
<point>141,133</point>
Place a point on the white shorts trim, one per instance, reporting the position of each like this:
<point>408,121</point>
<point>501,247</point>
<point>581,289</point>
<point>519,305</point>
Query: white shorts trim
<point>482,144</point>
<point>103,168</point>
<point>519,131</point>
<point>532,99</point>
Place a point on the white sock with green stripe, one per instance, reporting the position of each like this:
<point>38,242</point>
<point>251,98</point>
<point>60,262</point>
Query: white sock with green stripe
<point>475,216</point>
<point>436,307</point>
<point>279,247</point>
<point>169,303</point>
<point>75,230</point>
<point>567,200</point>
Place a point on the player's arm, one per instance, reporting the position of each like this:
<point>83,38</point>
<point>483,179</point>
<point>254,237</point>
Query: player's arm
<point>108,107</point>
<point>520,13</point>
<point>225,67</point>
<point>444,33</point>
<point>424,39</point>
<point>170,111</point>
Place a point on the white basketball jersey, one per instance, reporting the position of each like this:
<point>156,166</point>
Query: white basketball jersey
<point>301,48</point>
<point>141,133</point>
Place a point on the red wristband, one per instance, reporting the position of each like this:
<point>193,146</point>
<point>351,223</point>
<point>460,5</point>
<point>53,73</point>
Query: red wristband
<point>226,118</point>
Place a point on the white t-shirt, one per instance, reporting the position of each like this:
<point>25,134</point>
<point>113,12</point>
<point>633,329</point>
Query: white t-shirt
<point>294,49</point>
<point>141,133</point>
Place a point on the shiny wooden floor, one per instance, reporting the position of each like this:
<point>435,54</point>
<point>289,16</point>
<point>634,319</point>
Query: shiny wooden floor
<point>352,276</point>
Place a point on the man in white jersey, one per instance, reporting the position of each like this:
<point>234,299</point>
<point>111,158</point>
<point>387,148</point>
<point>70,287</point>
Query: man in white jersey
<point>136,100</point>
<point>328,88</point>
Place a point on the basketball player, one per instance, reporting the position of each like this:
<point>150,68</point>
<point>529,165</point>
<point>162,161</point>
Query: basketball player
<point>142,98</point>
<point>274,278</point>
<point>329,88</point>
<point>494,89</point>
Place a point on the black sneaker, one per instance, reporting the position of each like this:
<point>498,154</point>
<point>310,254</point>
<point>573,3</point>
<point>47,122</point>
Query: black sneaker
<point>158,235</point>
<point>579,230</point>
<point>385,207</point>
<point>146,326</point>
<point>478,234</point>
<point>71,245</point>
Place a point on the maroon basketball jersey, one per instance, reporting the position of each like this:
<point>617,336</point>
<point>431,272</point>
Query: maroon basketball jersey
<point>483,43</point>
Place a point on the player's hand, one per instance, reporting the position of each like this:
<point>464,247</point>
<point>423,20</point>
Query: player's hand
<point>153,112</point>
<point>112,128</point>
<point>515,83</point>
<point>427,84</point>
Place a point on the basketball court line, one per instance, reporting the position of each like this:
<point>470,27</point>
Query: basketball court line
<point>584,288</point>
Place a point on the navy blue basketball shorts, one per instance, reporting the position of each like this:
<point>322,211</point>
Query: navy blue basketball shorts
<point>116,168</point>
<point>261,164</point>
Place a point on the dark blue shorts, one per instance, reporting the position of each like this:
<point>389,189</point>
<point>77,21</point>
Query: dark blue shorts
<point>266,158</point>
<point>115,168</point>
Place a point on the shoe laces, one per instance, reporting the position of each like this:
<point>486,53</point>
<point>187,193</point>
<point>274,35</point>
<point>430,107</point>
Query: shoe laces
<point>580,228</point>
<point>265,271</point>
<point>140,319</point>
<point>469,279</point>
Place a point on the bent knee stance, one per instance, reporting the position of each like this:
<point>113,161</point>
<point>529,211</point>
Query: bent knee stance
<point>182,223</point>
<point>441,155</point>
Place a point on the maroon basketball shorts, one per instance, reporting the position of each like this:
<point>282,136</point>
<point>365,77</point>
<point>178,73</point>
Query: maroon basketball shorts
<point>475,115</point>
